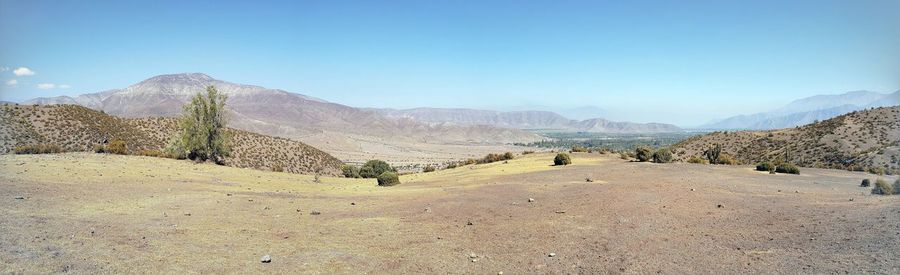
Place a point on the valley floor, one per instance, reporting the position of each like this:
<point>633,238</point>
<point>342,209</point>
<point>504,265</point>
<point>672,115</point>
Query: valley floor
<point>93,213</point>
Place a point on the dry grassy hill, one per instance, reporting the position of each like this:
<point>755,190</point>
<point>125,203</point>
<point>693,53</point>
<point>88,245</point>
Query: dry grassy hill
<point>76,128</point>
<point>862,140</point>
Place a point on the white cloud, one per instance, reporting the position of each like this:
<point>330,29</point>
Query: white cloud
<point>22,71</point>
<point>46,86</point>
<point>64,86</point>
<point>12,82</point>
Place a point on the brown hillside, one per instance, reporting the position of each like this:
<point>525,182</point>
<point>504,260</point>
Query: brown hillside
<point>862,140</point>
<point>76,128</point>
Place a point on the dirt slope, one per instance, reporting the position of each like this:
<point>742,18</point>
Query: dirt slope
<point>857,141</point>
<point>77,128</point>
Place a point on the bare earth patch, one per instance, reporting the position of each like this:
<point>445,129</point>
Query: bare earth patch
<point>91,213</point>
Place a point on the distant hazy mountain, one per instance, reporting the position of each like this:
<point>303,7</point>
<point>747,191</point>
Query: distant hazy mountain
<point>532,120</point>
<point>808,110</point>
<point>326,125</point>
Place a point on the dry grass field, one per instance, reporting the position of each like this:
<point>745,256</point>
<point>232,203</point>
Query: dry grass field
<point>93,213</point>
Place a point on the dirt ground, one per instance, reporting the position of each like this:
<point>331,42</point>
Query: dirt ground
<point>91,213</point>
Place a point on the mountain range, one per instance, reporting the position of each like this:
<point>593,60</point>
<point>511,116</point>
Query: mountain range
<point>529,120</point>
<point>807,110</point>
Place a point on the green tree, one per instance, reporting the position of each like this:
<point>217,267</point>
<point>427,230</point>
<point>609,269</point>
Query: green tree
<point>202,126</point>
<point>374,168</point>
<point>662,155</point>
<point>712,154</point>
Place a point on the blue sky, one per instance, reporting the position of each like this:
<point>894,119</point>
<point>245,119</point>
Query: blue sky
<point>683,62</point>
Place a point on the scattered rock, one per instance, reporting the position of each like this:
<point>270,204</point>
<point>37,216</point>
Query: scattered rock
<point>352,203</point>
<point>796,191</point>
<point>500,273</point>
<point>851,199</point>
<point>187,214</point>
<point>20,197</point>
<point>530,200</point>
<point>692,189</point>
<point>551,254</point>
<point>229,194</point>
<point>589,180</point>
<point>315,213</point>
<point>474,260</point>
<point>428,210</point>
<point>720,206</point>
<point>469,223</point>
<point>473,255</point>
<point>266,259</point>
<point>560,212</point>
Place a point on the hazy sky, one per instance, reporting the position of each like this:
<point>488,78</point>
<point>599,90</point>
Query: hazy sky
<point>683,62</point>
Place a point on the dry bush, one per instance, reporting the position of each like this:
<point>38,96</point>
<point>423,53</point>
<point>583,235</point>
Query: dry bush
<point>38,149</point>
<point>388,179</point>
<point>117,147</point>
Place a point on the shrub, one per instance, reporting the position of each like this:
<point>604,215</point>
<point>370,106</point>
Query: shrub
<point>277,168</point>
<point>897,187</point>
<point>452,165</point>
<point>865,183</point>
<point>99,148</point>
<point>388,179</point>
<point>117,147</point>
<point>698,160</point>
<point>623,156</point>
<point>789,168</point>
<point>508,156</point>
<point>662,156</point>
<point>428,169</point>
<point>202,127</point>
<point>643,153</point>
<point>765,166</point>
<point>713,154</point>
<point>562,159</point>
<point>350,171</point>
<point>727,159</point>
<point>471,161</point>
<point>151,153</point>
<point>375,167</point>
<point>882,187</point>
<point>527,152</point>
<point>38,149</point>
<point>579,149</point>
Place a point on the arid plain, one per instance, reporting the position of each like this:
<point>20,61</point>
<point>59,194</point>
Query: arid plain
<point>98,213</point>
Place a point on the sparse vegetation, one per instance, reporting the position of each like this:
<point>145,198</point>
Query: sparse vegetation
<point>662,155</point>
<point>38,149</point>
<point>579,149</point>
<point>788,168</point>
<point>388,179</point>
<point>374,168</point>
<point>643,153</point>
<point>713,154</point>
<point>882,187</point>
<point>726,159</point>
<point>562,159</point>
<point>117,147</point>
<point>202,127</point>
<point>865,183</point>
<point>428,169</point>
<point>697,160</point>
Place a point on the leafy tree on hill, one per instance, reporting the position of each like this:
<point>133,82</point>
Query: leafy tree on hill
<point>643,153</point>
<point>202,126</point>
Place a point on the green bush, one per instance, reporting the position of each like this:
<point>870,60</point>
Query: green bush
<point>373,168</point>
<point>428,169</point>
<point>350,171</point>
<point>789,168</point>
<point>643,153</point>
<point>562,159</point>
<point>202,128</point>
<point>579,149</point>
<point>882,187</point>
<point>662,156</point>
<point>865,183</point>
<point>508,156</point>
<point>388,179</point>
<point>765,166</point>
<point>117,147</point>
